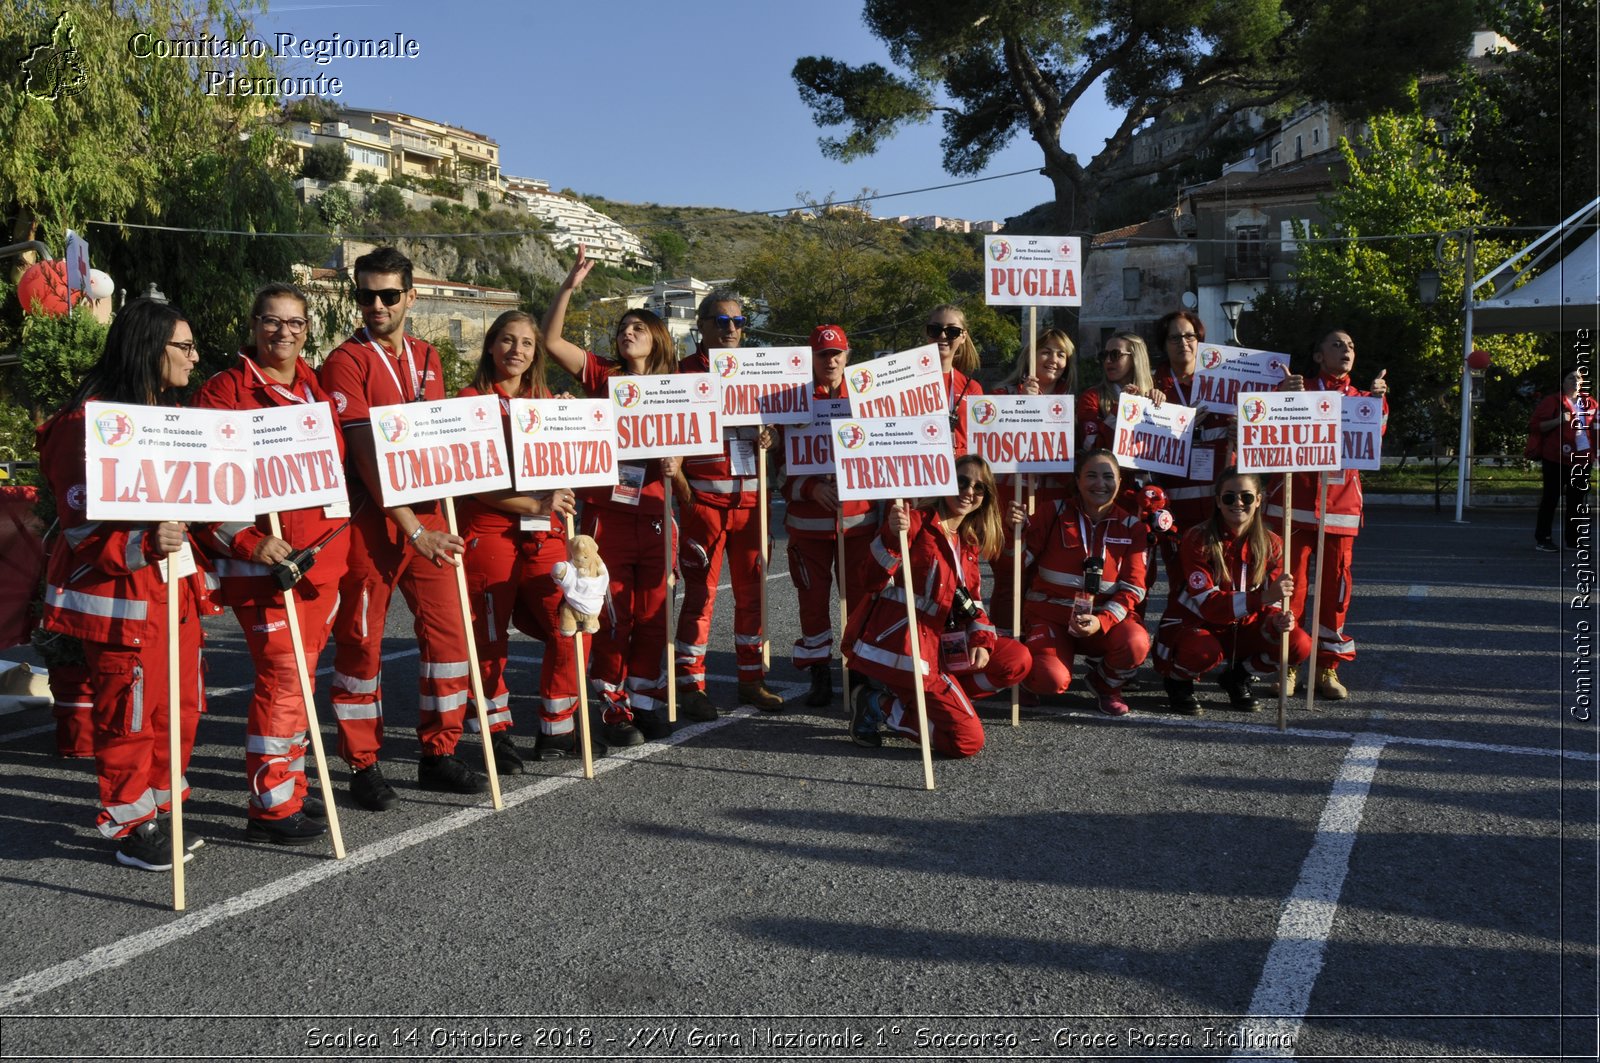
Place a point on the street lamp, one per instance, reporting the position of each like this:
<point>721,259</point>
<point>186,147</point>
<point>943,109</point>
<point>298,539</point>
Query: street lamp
<point>1428,286</point>
<point>1230,310</point>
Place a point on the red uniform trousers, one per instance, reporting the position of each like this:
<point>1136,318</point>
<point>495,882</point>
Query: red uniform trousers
<point>1189,650</point>
<point>380,560</point>
<point>491,560</point>
<point>538,601</point>
<point>1334,647</point>
<point>710,533</point>
<point>954,729</point>
<point>275,723</point>
<point>628,660</point>
<point>813,564</point>
<point>131,718</point>
<point>1113,655</point>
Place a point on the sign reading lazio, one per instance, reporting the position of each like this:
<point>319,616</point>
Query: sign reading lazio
<point>908,384</point>
<point>1032,270</point>
<point>1361,434</point>
<point>1021,433</point>
<point>673,415</point>
<point>147,463</point>
<point>1222,373</point>
<point>1289,431</point>
<point>1153,437</point>
<point>297,463</point>
<point>764,385</point>
<point>429,450</point>
<point>808,449</point>
<point>894,457</point>
<point>563,443</point>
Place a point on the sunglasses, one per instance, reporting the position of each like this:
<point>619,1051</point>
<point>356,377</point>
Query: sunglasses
<point>949,332</point>
<point>1111,356</point>
<point>967,483</point>
<point>725,321</point>
<point>293,324</point>
<point>368,296</point>
<point>1244,498</point>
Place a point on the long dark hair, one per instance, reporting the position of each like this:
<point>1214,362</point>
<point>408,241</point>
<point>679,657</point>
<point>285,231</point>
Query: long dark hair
<point>532,385</point>
<point>130,366</point>
<point>1257,538</point>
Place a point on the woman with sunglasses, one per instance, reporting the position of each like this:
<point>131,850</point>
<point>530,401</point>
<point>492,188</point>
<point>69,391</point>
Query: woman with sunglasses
<point>271,374</point>
<point>1124,369</point>
<point>1189,497</point>
<point>1088,553</point>
<point>105,587</point>
<point>958,360</point>
<point>947,538</point>
<point>514,541</point>
<point>628,667</point>
<point>1225,608</point>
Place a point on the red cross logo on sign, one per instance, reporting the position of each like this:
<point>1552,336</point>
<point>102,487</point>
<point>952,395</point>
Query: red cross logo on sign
<point>479,414</point>
<point>310,423</point>
<point>1365,409</point>
<point>704,388</point>
<point>795,361</point>
<point>930,430</point>
<point>598,416</point>
<point>227,431</point>
<point>1057,409</point>
<point>925,362</point>
<point>1324,406</point>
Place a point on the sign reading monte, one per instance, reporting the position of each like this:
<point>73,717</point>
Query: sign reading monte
<point>430,450</point>
<point>894,457</point>
<point>164,463</point>
<point>297,463</point>
<point>1289,431</point>
<point>563,443</point>
<point>1032,270</point>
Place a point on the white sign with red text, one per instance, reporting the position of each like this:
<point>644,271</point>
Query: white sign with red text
<point>563,443</point>
<point>1021,433</point>
<point>441,449</point>
<point>1361,433</point>
<point>297,463</point>
<point>808,449</point>
<point>764,385</point>
<point>1222,373</point>
<point>1289,431</point>
<point>145,463</point>
<point>673,415</point>
<point>908,384</point>
<point>1032,270</point>
<point>898,457</point>
<point>1151,437</point>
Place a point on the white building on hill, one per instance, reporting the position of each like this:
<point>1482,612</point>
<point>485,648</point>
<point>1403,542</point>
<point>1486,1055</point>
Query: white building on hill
<point>575,222</point>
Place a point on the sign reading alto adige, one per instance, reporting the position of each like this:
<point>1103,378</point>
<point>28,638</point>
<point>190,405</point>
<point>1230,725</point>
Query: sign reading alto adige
<point>1032,270</point>
<point>429,450</point>
<point>162,463</point>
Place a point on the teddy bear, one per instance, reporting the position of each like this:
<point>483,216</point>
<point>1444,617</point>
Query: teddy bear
<point>583,580</point>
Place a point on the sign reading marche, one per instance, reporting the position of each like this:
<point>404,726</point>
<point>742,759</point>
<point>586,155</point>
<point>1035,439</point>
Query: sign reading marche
<point>429,450</point>
<point>1032,270</point>
<point>764,385</point>
<point>1021,433</point>
<point>808,449</point>
<point>1151,437</point>
<point>894,457</point>
<point>1222,373</point>
<point>1361,434</point>
<point>1289,431</point>
<point>563,443</point>
<point>674,415</point>
<point>297,463</point>
<point>908,384</point>
<point>160,463</point>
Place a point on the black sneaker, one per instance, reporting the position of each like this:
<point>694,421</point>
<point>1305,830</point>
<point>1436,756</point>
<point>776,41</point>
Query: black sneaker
<point>192,842</point>
<point>567,747</point>
<point>1546,546</point>
<point>651,724</point>
<point>866,718</point>
<point>447,773</point>
<point>622,734</point>
<point>1180,697</point>
<point>298,829</point>
<point>1235,682</point>
<point>507,761</point>
<point>821,695</point>
<point>314,808</point>
<point>148,848</point>
<point>370,790</point>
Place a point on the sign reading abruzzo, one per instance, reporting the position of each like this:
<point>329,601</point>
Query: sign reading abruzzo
<point>1289,431</point>
<point>1222,373</point>
<point>764,385</point>
<point>563,443</point>
<point>297,463</point>
<point>908,384</point>
<point>429,450</point>
<point>161,463</point>
<point>893,457</point>
<point>674,415</point>
<point>1021,433</point>
<point>1032,270</point>
<point>1151,437</point>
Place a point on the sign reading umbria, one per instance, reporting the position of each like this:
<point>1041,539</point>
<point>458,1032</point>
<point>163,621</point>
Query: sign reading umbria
<point>764,385</point>
<point>893,457</point>
<point>159,463</point>
<point>563,443</point>
<point>1221,373</point>
<point>429,450</point>
<point>1021,433</point>
<point>908,384</point>
<point>297,463</point>
<point>1151,437</point>
<point>1289,431</point>
<point>1032,270</point>
<point>674,415</point>
<point>808,449</point>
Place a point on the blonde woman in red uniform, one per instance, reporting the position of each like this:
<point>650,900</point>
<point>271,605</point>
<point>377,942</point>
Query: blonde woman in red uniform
<point>958,360</point>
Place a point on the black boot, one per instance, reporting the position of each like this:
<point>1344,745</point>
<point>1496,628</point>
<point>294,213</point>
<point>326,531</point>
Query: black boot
<point>1235,682</point>
<point>821,695</point>
<point>1180,697</point>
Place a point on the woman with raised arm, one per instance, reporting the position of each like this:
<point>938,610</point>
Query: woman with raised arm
<point>628,667</point>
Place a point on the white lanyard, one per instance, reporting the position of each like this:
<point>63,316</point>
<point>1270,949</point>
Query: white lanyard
<point>274,385</point>
<point>411,369</point>
<point>1183,400</point>
<point>1084,535</point>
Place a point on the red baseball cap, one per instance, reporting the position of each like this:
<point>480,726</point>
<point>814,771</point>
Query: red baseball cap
<point>828,338</point>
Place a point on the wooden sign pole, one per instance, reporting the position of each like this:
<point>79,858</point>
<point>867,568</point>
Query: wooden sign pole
<point>474,672</point>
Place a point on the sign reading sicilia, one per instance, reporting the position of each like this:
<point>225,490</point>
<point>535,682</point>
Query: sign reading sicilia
<point>1032,270</point>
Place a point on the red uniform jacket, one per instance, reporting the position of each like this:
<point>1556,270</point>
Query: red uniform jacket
<point>1344,488</point>
<point>807,519</point>
<point>1060,539</point>
<point>652,500</point>
<point>960,387</point>
<point>1204,597</point>
<point>1563,443</point>
<point>1214,433</point>
<point>711,477</point>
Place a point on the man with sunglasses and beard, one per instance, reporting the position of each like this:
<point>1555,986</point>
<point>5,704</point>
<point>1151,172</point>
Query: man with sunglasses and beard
<point>405,546</point>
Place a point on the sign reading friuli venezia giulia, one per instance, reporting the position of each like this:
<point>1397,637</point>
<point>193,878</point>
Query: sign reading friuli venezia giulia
<point>1032,270</point>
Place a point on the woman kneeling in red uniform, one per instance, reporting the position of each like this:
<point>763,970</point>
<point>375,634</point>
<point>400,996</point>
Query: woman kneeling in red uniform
<point>1090,579</point>
<point>1226,606</point>
<point>958,654</point>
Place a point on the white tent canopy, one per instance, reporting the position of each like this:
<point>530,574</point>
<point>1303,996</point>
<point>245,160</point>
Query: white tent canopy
<point>1564,297</point>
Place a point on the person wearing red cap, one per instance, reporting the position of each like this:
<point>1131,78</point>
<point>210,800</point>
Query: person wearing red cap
<point>815,520</point>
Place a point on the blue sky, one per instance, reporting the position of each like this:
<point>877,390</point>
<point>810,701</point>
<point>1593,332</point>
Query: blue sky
<point>687,103</point>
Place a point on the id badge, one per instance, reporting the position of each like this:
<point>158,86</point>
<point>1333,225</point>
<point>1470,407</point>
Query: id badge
<point>630,484</point>
<point>185,559</point>
<point>1202,464</point>
<point>953,651</point>
<point>1082,604</point>
<point>337,510</point>
<point>742,456</point>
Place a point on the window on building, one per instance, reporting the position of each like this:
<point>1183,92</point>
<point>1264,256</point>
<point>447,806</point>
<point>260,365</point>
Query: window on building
<point>455,333</point>
<point>1249,254</point>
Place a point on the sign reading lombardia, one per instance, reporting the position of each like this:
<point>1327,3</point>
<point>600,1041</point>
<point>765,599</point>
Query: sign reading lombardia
<point>1032,270</point>
<point>563,443</point>
<point>1289,431</point>
<point>673,415</point>
<point>764,385</point>
<point>430,450</point>
<point>148,463</point>
<point>907,457</point>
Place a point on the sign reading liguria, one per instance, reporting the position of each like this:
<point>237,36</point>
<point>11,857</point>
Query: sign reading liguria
<point>1021,433</point>
<point>893,457</point>
<point>673,415</point>
<point>1032,270</point>
<point>808,449</point>
<point>764,385</point>
<point>1289,431</point>
<point>162,463</point>
<point>429,450</point>
<point>563,443</point>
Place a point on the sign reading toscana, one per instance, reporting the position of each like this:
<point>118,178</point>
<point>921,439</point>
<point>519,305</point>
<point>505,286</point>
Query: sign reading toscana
<point>1021,433</point>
